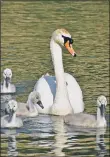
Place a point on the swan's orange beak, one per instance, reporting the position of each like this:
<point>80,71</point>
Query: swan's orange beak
<point>70,49</point>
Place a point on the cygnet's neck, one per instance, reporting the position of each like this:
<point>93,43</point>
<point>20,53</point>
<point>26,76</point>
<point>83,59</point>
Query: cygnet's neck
<point>101,121</point>
<point>6,88</point>
<point>12,118</point>
<point>31,105</point>
<point>61,97</point>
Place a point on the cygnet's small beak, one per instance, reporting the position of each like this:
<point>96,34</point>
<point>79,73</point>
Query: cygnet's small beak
<point>70,49</point>
<point>40,104</point>
<point>11,111</point>
<point>6,111</point>
<point>7,81</point>
<point>102,109</point>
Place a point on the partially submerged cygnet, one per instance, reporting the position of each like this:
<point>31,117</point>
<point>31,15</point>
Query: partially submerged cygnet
<point>10,120</point>
<point>29,109</point>
<point>7,87</point>
<point>87,120</point>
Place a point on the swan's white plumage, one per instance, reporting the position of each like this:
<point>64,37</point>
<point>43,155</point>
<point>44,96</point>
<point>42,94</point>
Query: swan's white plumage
<point>74,93</point>
<point>57,97</point>
<point>46,87</point>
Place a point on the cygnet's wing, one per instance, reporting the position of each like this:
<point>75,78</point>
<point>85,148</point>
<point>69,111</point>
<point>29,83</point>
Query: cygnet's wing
<point>19,122</point>
<point>13,88</point>
<point>81,119</point>
<point>1,86</point>
<point>4,121</point>
<point>6,124</point>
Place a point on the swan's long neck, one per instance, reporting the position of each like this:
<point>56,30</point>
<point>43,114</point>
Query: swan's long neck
<point>56,53</point>
<point>61,98</point>
<point>101,121</point>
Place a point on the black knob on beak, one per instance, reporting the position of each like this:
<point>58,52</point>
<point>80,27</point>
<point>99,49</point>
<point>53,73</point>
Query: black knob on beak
<point>74,55</point>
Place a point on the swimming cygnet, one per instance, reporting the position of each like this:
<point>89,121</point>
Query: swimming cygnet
<point>29,109</point>
<point>10,120</point>
<point>87,120</point>
<point>7,87</point>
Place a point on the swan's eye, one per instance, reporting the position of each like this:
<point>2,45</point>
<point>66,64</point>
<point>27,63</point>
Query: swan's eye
<point>67,39</point>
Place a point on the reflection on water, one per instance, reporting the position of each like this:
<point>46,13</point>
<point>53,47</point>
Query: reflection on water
<point>12,146</point>
<point>101,147</point>
<point>11,136</point>
<point>60,136</point>
<point>48,135</point>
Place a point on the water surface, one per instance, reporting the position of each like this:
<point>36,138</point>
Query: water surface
<point>26,30</point>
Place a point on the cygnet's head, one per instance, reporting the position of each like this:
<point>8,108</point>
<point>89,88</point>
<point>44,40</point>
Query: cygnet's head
<point>35,98</point>
<point>63,38</point>
<point>12,107</point>
<point>7,74</point>
<point>101,103</point>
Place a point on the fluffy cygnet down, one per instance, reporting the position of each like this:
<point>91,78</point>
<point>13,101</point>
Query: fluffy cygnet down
<point>11,120</point>
<point>87,120</point>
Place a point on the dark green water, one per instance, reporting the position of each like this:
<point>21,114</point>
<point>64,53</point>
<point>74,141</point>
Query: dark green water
<point>26,29</point>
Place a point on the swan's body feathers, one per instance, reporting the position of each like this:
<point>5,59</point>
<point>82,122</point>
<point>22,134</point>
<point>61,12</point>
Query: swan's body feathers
<point>46,86</point>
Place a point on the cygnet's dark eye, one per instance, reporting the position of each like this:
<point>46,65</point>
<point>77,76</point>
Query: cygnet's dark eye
<point>67,39</point>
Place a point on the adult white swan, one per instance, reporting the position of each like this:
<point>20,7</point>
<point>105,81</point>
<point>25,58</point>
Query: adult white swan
<point>61,94</point>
